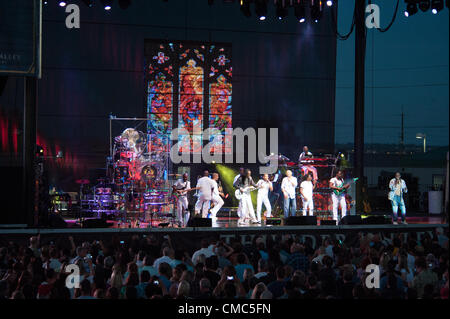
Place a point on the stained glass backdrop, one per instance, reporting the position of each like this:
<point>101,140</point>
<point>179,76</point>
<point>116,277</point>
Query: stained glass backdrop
<point>188,86</point>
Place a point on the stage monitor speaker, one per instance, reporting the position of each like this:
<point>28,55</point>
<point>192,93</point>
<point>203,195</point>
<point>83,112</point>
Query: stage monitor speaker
<point>56,221</point>
<point>95,223</point>
<point>377,220</point>
<point>301,220</point>
<point>199,222</point>
<point>326,222</point>
<point>273,221</point>
<point>351,220</point>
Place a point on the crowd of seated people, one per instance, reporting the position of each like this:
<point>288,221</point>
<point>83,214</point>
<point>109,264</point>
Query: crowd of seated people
<point>280,267</point>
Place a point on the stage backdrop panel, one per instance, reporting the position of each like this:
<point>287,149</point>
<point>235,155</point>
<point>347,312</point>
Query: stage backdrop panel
<point>283,77</point>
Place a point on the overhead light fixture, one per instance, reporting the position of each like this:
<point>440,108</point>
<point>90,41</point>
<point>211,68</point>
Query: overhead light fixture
<point>124,4</point>
<point>245,8</point>
<point>316,10</point>
<point>329,3</point>
<point>281,9</point>
<point>436,6</point>
<point>411,8</point>
<point>261,9</point>
<point>300,12</point>
<point>62,3</point>
<point>424,5</point>
<point>107,4</point>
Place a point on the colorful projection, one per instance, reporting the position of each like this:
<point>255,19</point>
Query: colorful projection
<point>185,81</point>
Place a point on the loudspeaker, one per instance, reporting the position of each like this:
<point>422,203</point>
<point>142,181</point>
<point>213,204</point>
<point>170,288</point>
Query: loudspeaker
<point>94,223</point>
<point>327,222</point>
<point>199,222</point>
<point>301,220</point>
<point>351,220</point>
<point>377,220</point>
<point>273,221</point>
<point>56,221</point>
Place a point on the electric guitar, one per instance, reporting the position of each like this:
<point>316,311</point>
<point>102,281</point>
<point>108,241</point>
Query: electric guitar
<point>247,190</point>
<point>179,192</point>
<point>345,187</point>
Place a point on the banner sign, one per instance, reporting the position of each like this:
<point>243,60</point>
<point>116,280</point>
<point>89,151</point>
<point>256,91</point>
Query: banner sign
<point>20,37</point>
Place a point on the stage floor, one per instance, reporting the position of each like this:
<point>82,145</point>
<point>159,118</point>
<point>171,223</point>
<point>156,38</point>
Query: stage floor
<point>232,222</point>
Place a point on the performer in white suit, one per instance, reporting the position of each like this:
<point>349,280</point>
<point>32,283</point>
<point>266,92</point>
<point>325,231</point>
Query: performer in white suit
<point>264,186</point>
<point>247,213</point>
<point>306,191</point>
<point>205,186</point>
<point>337,184</point>
<point>216,196</point>
<point>181,187</point>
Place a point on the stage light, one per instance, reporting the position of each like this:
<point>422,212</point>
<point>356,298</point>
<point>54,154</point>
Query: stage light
<point>124,4</point>
<point>436,6</point>
<point>411,8</point>
<point>282,11</point>
<point>45,2</point>
<point>316,11</point>
<point>424,5</point>
<point>261,9</point>
<point>39,151</point>
<point>245,8</point>
<point>62,3</point>
<point>300,12</point>
<point>107,4</point>
<point>329,3</point>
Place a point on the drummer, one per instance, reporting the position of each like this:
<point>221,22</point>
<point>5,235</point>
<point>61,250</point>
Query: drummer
<point>306,168</point>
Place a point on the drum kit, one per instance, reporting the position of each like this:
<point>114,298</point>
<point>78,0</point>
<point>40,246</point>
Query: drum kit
<point>135,184</point>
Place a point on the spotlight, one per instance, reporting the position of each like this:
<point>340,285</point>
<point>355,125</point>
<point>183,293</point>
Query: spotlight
<point>39,151</point>
<point>329,3</point>
<point>436,6</point>
<point>89,3</point>
<point>107,4</point>
<point>316,11</point>
<point>424,5</point>
<point>261,9</point>
<point>45,2</point>
<point>300,12</point>
<point>245,8</point>
<point>411,8</point>
<point>282,11</point>
<point>124,4</point>
<point>62,3</point>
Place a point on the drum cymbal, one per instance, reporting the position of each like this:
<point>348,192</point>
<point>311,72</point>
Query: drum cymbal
<point>82,181</point>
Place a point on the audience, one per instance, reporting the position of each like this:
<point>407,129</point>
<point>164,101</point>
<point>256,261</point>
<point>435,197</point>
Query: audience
<point>411,266</point>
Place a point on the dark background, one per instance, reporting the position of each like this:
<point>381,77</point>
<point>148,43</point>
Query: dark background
<point>283,76</point>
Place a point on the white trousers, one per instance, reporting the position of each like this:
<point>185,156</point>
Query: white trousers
<point>182,212</point>
<point>218,203</point>
<point>202,205</point>
<point>339,201</point>
<point>308,204</point>
<point>247,211</point>
<point>260,200</point>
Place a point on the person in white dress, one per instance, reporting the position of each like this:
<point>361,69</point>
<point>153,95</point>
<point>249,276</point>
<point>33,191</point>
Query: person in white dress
<point>264,186</point>
<point>306,192</point>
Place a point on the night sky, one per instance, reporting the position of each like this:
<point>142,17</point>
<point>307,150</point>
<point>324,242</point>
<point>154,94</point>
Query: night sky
<point>405,66</point>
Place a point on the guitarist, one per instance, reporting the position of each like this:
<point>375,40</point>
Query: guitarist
<point>338,195</point>
<point>247,212</point>
<point>181,187</point>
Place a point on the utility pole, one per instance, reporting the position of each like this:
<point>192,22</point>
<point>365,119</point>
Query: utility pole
<point>360,56</point>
